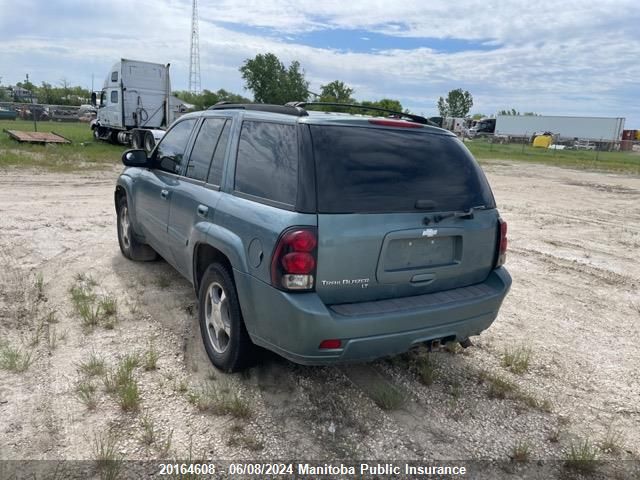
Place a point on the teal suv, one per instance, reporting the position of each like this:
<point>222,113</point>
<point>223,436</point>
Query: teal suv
<point>322,236</point>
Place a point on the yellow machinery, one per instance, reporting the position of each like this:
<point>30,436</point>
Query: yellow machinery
<point>543,141</point>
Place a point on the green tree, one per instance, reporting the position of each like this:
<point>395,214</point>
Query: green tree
<point>457,104</point>
<point>271,82</point>
<point>336,92</point>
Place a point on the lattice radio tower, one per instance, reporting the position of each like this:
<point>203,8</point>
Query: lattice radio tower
<point>194,66</point>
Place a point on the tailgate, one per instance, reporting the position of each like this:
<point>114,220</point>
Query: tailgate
<point>364,257</point>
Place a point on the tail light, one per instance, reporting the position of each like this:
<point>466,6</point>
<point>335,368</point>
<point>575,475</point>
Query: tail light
<point>293,265</point>
<point>502,243</point>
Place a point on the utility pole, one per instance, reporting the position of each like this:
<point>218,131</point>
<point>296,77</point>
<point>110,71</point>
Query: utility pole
<point>194,65</point>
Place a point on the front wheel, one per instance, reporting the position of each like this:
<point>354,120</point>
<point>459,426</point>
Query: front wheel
<point>129,246</point>
<point>223,332</point>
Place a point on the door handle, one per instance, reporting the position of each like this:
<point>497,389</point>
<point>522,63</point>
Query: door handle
<point>202,211</point>
<point>164,194</point>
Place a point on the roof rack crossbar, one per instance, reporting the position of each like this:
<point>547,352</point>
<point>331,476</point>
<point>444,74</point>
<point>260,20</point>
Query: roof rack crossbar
<point>411,116</point>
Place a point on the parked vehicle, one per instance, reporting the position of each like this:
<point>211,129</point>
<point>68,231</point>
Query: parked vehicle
<point>483,127</point>
<point>7,114</point>
<point>325,238</point>
<point>135,105</point>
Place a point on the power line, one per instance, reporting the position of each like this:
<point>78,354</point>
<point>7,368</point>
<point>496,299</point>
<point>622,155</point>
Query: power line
<point>194,66</point>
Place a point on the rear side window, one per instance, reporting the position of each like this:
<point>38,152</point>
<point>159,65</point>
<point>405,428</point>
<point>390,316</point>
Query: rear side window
<point>267,163</point>
<point>203,148</point>
<point>369,170</point>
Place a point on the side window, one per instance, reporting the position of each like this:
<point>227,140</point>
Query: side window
<point>202,152</point>
<point>267,163</point>
<point>114,76</point>
<point>170,151</point>
<point>215,173</point>
<point>114,96</point>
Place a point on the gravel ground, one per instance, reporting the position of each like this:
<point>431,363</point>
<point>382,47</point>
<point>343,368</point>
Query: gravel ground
<point>574,311</point>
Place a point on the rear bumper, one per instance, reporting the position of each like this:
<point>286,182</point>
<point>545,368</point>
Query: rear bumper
<point>293,325</point>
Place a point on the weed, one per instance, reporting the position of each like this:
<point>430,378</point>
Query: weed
<point>122,383</point>
<point>520,452</point>
<point>582,456</point>
<point>51,317</point>
<point>182,387</point>
<point>93,367</point>
<point>109,306</point>
<point>37,333</point>
<point>86,279</point>
<point>148,430</point>
<point>612,441</point>
<point>151,358</point>
<point>241,439</point>
<point>89,314</point>
<point>108,460</point>
<point>455,389</point>
<point>86,393</point>
<point>517,359</point>
<point>220,400</point>
<point>63,336</point>
<point>554,435</point>
<point>385,395</point>
<point>14,359</point>
<point>39,286</point>
<point>129,396</point>
<point>165,445</point>
<point>425,366</point>
<point>499,387</point>
<point>52,338</point>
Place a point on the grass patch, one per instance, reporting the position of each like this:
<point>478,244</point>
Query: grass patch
<point>14,359</point>
<point>86,393</point>
<point>108,460</point>
<point>123,385</point>
<point>613,441</point>
<point>385,395</point>
<point>582,457</point>
<point>148,430</point>
<point>151,358</point>
<point>521,451</point>
<point>238,438</point>
<point>425,366</point>
<point>626,162</point>
<point>93,367</point>
<point>82,154</point>
<point>109,306</point>
<point>39,286</point>
<point>517,359</point>
<point>220,400</point>
<point>499,387</point>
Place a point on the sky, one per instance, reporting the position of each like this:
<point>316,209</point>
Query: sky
<point>549,57</point>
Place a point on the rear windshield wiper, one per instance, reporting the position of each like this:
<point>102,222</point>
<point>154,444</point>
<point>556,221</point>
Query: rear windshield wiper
<point>464,214</point>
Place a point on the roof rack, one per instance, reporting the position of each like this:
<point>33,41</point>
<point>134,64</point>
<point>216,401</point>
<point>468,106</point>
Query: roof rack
<point>410,116</point>
<point>262,107</point>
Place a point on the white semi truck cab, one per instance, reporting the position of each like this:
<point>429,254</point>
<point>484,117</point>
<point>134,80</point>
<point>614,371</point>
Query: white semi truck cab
<point>135,105</point>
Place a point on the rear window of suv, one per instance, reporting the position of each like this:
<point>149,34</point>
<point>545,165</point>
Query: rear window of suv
<point>373,170</point>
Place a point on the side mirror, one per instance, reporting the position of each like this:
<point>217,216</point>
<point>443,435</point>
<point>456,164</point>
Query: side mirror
<point>135,158</point>
<point>93,99</point>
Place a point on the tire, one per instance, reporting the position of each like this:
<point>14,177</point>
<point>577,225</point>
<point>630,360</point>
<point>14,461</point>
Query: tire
<point>223,331</point>
<point>149,142</point>
<point>135,140</point>
<point>96,134</point>
<point>129,246</point>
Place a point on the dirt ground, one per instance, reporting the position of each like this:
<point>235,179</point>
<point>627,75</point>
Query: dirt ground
<point>574,305</point>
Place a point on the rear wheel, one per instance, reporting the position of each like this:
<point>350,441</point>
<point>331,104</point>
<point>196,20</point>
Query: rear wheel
<point>223,332</point>
<point>149,142</point>
<point>129,246</point>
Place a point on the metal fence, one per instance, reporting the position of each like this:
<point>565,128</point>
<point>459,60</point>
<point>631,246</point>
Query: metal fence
<point>44,112</point>
<point>555,143</point>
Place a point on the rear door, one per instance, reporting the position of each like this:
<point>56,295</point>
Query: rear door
<point>391,221</point>
<point>197,192</point>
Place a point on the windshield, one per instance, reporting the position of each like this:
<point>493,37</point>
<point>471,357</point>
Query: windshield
<point>371,170</point>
